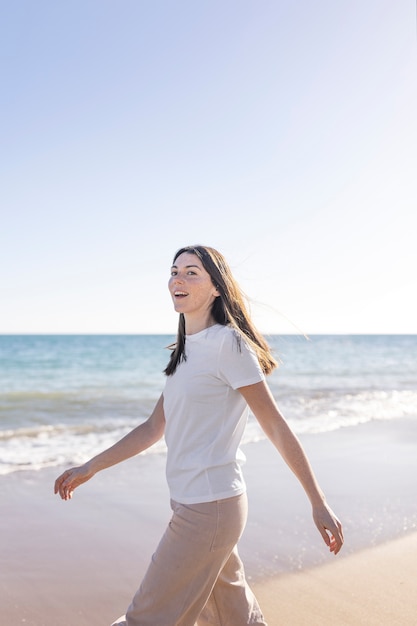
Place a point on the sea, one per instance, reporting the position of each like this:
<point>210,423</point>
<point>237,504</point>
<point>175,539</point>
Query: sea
<point>64,398</point>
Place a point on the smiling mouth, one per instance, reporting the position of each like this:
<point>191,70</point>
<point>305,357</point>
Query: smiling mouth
<point>180,294</point>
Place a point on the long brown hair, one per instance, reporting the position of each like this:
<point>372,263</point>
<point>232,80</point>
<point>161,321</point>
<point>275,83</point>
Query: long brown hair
<point>228,308</point>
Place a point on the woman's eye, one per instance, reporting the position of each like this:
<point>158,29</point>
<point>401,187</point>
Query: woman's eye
<point>173,273</point>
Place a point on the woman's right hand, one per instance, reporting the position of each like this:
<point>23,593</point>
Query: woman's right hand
<point>71,479</point>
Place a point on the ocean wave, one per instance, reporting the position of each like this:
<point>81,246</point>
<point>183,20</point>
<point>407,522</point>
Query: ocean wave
<point>45,446</point>
<point>320,412</point>
<point>38,445</point>
<point>30,409</point>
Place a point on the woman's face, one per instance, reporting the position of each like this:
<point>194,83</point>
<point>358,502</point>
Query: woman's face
<point>190,286</point>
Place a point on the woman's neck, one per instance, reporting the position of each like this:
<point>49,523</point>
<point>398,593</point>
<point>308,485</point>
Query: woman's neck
<point>194,326</point>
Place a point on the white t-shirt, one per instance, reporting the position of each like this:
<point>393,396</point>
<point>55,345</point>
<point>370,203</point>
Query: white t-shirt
<point>206,416</point>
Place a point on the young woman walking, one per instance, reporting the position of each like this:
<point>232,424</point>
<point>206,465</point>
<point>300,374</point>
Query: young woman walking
<point>216,371</point>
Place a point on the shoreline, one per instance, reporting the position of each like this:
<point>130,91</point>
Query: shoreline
<point>81,561</point>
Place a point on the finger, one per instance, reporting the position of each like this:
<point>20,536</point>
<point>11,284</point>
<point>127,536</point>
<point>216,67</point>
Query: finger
<point>336,546</point>
<point>325,536</point>
<point>339,535</point>
<point>337,540</point>
<point>69,486</point>
<point>67,489</point>
<point>65,484</point>
<point>333,538</point>
<point>58,484</point>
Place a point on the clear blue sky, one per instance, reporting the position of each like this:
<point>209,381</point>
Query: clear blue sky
<point>283,133</point>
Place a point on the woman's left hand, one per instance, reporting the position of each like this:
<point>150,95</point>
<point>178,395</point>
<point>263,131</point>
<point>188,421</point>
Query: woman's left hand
<point>329,527</point>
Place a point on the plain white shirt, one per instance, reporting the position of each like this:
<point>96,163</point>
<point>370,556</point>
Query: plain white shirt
<point>206,416</point>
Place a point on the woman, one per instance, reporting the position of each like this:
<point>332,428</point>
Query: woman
<point>216,371</point>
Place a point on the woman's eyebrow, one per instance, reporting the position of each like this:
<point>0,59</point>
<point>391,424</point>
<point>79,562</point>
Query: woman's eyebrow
<point>186,267</point>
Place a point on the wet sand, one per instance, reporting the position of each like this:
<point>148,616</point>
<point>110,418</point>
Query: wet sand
<point>79,562</point>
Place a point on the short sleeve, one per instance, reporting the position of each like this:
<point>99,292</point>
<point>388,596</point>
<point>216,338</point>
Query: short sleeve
<point>238,364</point>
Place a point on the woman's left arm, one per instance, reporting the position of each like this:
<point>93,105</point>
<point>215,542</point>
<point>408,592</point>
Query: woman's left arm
<point>264,407</point>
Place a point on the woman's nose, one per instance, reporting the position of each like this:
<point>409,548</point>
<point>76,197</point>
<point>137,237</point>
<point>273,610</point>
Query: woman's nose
<point>177,279</point>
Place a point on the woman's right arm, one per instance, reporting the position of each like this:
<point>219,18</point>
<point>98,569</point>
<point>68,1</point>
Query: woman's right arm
<point>138,440</point>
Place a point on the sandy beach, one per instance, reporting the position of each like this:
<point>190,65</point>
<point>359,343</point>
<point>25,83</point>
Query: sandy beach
<point>373,587</point>
<point>79,562</point>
